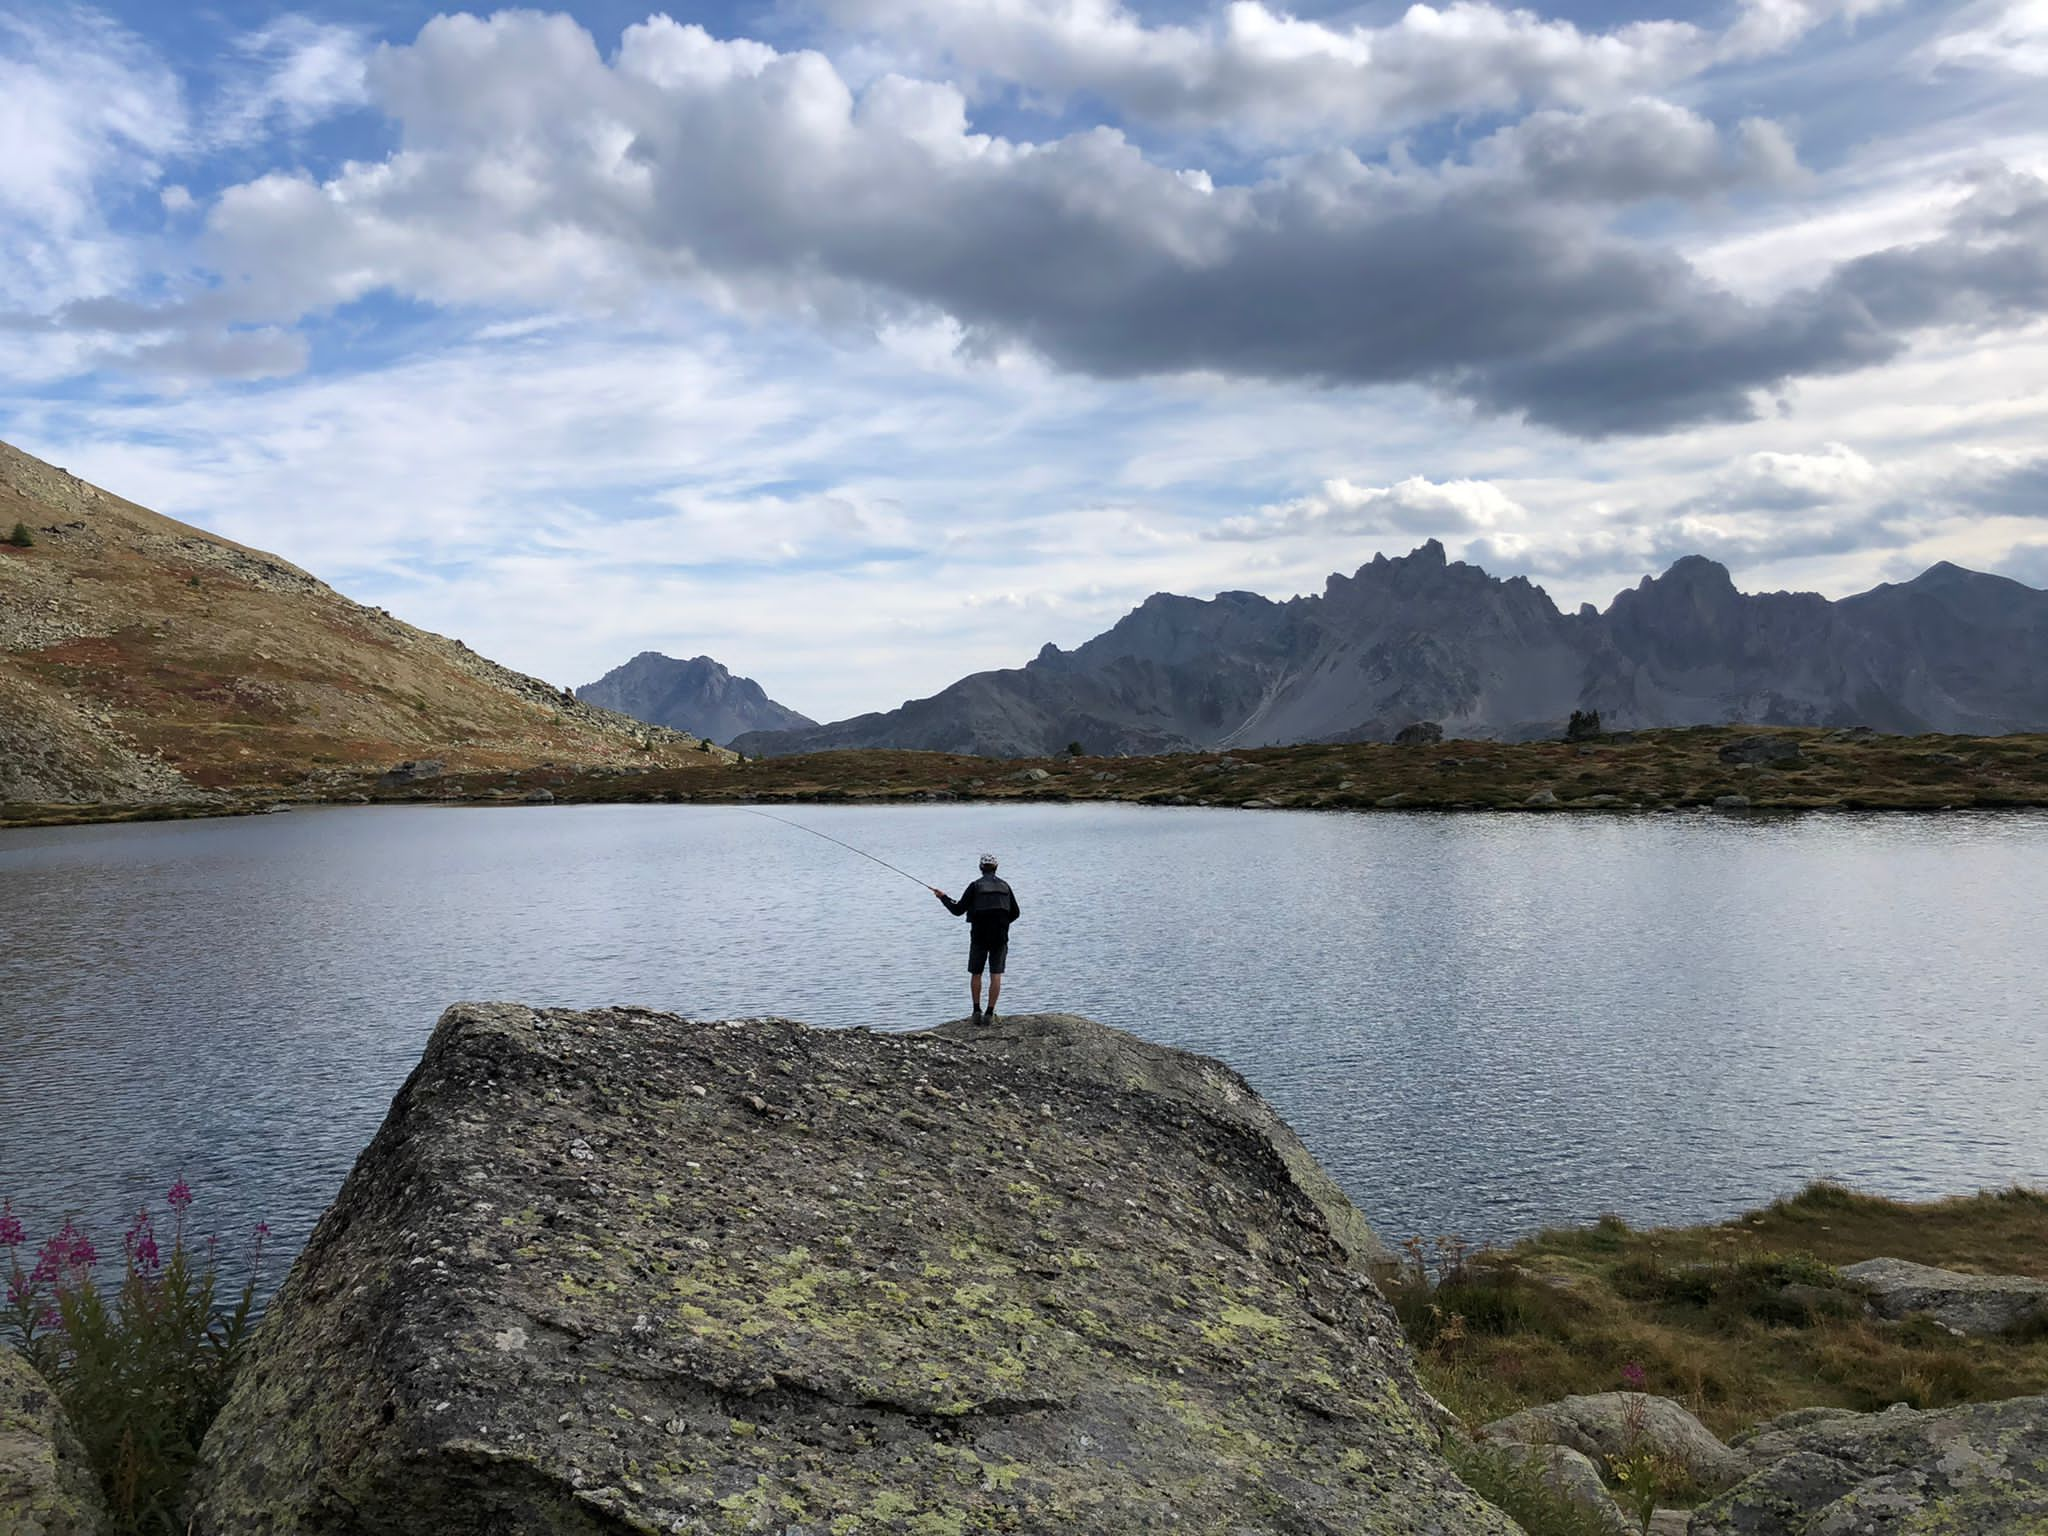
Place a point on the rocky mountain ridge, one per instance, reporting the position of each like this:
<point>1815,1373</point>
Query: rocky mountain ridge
<point>145,661</point>
<point>699,696</point>
<point>1421,637</point>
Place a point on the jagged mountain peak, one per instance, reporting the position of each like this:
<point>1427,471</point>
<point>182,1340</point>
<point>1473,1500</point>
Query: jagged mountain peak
<point>1422,637</point>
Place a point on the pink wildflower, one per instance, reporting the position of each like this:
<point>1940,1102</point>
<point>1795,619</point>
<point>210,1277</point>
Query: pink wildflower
<point>53,1257</point>
<point>141,1244</point>
<point>180,1196</point>
<point>1633,1376</point>
<point>51,1318</point>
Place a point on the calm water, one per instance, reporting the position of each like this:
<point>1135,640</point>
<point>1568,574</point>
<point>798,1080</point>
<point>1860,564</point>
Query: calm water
<point>1479,1023</point>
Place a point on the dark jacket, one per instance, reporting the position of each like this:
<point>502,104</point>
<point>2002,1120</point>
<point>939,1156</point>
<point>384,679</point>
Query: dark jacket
<point>989,905</point>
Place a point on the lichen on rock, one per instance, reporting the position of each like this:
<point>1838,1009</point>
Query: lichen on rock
<point>620,1271</point>
<point>47,1487</point>
<point>1980,1469</point>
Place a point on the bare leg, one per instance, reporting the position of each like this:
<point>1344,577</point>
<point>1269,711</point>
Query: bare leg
<point>975,979</point>
<point>995,990</point>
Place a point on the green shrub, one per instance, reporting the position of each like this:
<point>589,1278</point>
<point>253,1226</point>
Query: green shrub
<point>21,538</point>
<point>1753,1286</point>
<point>142,1371</point>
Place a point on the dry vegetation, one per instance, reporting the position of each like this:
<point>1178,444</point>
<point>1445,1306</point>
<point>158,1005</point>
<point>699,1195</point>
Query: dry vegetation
<point>1740,1321</point>
<point>1649,770</point>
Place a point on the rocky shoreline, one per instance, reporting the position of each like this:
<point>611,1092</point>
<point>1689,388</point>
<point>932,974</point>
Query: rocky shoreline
<point>1718,768</point>
<point>620,1271</point>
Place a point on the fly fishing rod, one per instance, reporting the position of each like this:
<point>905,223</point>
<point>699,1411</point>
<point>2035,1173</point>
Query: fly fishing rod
<point>831,839</point>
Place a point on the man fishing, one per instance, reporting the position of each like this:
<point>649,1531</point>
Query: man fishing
<point>990,906</point>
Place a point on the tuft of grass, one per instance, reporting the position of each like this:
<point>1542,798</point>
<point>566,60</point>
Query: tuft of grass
<point>1519,1490</point>
<point>1740,1320</point>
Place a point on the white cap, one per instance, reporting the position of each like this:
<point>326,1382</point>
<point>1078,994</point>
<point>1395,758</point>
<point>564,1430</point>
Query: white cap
<point>988,861</point>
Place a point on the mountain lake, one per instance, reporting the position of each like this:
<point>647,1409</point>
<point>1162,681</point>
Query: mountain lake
<point>1481,1024</point>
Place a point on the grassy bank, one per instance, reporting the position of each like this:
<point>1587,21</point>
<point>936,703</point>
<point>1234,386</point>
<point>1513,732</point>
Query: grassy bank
<point>1644,771</point>
<point>1740,1321</point>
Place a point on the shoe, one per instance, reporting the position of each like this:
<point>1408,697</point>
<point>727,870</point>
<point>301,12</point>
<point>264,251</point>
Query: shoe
<point>989,1017</point>
<point>977,1015</point>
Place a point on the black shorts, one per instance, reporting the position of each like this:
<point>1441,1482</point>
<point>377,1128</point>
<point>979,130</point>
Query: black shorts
<point>991,951</point>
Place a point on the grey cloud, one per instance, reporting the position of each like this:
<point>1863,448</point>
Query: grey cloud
<point>533,168</point>
<point>1888,527</point>
<point>2024,562</point>
<point>2011,490</point>
<point>1645,149</point>
<point>265,353</point>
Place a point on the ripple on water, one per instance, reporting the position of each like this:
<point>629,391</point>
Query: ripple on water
<point>1481,1024</point>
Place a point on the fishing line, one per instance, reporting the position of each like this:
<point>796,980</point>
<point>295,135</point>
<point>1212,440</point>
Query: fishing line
<point>831,839</point>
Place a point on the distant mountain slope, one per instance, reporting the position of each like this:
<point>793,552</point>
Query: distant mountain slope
<point>699,696</point>
<point>142,659</point>
<point>1423,638</point>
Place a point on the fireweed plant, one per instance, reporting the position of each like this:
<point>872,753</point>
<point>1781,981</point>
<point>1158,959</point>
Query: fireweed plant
<point>140,1369</point>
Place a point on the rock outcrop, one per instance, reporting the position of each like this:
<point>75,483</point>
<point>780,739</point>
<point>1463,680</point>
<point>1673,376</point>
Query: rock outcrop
<point>1976,1470</point>
<point>1900,1289</point>
<point>1601,1425</point>
<point>619,1271</point>
<point>46,1486</point>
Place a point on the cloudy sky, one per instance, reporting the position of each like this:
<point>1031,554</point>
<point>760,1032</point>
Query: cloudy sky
<point>861,343</point>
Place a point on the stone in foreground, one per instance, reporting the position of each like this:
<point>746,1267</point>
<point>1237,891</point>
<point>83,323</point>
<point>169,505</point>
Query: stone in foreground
<point>46,1486</point>
<point>1966,1303</point>
<point>619,1271</point>
<point>1604,1425</point>
<point>1976,1470</point>
<point>1571,1475</point>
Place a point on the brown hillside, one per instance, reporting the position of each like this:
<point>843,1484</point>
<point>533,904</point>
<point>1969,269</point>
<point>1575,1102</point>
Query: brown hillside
<point>145,661</point>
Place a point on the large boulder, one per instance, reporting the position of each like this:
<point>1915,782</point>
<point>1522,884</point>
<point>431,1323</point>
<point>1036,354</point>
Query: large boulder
<point>47,1488</point>
<point>1980,1469</point>
<point>620,1271</point>
<point>1080,1048</point>
<point>1606,1425</point>
<point>1967,1303</point>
